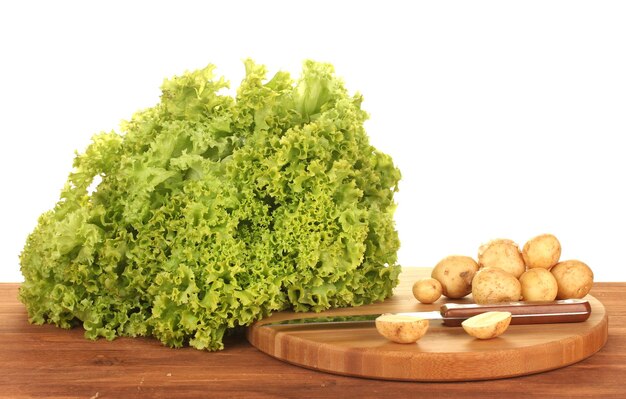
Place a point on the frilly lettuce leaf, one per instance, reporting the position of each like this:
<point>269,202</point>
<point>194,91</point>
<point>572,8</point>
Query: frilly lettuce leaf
<point>213,211</point>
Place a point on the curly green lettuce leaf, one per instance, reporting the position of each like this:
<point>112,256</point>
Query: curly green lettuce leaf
<point>213,212</point>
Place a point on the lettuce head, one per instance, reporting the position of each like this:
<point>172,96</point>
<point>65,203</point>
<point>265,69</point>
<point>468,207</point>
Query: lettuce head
<point>213,210</point>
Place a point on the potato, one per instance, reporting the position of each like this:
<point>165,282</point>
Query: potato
<point>455,273</point>
<point>542,251</point>
<point>503,254</point>
<point>538,285</point>
<point>427,290</point>
<point>493,285</point>
<point>401,329</point>
<point>487,325</point>
<point>574,279</point>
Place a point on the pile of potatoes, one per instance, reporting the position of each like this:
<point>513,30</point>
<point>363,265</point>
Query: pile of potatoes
<point>504,273</point>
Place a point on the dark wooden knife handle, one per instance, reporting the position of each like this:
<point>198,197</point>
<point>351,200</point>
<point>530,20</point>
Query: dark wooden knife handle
<point>560,311</point>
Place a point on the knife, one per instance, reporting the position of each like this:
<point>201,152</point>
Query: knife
<point>452,314</point>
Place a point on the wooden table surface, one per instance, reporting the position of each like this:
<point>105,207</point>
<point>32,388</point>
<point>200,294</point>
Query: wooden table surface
<point>48,362</point>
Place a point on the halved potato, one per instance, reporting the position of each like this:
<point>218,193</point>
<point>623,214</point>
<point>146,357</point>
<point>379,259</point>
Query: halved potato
<point>487,325</point>
<point>401,329</point>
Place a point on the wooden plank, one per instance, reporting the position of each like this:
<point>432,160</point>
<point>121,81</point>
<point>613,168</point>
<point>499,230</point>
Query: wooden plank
<point>45,361</point>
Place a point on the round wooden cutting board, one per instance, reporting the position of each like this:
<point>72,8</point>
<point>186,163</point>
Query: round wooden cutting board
<point>443,354</point>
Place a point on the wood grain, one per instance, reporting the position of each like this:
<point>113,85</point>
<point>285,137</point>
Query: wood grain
<point>443,354</point>
<point>48,362</point>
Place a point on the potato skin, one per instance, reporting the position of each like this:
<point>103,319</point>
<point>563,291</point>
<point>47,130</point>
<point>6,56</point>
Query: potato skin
<point>542,251</point>
<point>455,273</point>
<point>487,325</point>
<point>427,290</point>
<point>502,254</point>
<point>574,279</point>
<point>538,285</point>
<point>401,329</point>
<point>494,285</point>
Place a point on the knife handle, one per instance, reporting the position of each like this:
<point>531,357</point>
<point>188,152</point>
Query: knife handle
<point>560,311</point>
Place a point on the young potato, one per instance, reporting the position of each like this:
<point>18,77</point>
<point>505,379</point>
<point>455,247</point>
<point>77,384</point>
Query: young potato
<point>487,325</point>
<point>493,285</point>
<point>574,279</point>
<point>503,254</point>
<point>542,251</point>
<point>455,273</point>
<point>538,285</point>
<point>427,290</point>
<point>401,329</point>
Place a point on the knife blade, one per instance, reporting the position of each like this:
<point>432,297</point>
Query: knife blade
<point>452,314</point>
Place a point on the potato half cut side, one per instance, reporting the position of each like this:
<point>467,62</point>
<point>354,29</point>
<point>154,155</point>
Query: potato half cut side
<point>401,329</point>
<point>487,325</point>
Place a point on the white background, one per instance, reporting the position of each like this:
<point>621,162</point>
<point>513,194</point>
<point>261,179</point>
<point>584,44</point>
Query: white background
<point>506,118</point>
